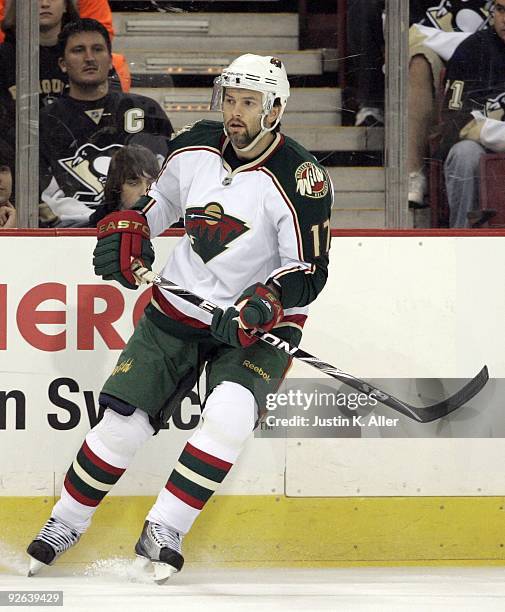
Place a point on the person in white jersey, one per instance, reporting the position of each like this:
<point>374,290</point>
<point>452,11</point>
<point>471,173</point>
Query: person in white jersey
<point>257,208</point>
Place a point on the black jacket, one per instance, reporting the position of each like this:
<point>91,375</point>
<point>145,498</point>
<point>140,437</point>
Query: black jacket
<point>475,80</point>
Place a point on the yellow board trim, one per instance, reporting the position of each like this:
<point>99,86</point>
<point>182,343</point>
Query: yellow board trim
<point>273,531</point>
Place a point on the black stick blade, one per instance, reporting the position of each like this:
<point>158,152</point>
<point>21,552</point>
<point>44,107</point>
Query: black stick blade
<point>441,409</point>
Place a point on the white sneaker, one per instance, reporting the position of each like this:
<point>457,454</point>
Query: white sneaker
<point>417,189</point>
<point>368,116</point>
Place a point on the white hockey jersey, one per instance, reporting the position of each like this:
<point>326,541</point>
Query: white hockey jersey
<point>268,219</point>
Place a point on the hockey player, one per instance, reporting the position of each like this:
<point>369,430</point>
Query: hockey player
<point>81,131</point>
<point>473,114</point>
<point>257,217</point>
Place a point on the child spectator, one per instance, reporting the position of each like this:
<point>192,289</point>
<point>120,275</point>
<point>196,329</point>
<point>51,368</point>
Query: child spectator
<point>132,169</point>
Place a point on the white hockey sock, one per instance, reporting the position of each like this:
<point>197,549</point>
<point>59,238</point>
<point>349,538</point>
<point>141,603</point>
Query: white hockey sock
<point>227,421</point>
<point>104,456</point>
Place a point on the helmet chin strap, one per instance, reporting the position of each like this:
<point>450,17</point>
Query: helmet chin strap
<point>264,130</point>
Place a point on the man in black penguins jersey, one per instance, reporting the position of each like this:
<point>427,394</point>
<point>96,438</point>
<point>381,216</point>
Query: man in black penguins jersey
<point>473,114</point>
<point>437,27</point>
<point>442,26</point>
<point>80,131</point>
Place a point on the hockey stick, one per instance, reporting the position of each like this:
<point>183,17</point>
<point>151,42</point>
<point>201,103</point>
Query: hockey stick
<point>423,414</point>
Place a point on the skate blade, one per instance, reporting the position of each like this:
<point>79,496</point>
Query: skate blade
<point>35,567</point>
<point>162,572</point>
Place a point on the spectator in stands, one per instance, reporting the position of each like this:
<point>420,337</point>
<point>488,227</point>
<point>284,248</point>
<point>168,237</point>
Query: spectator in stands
<point>7,210</point>
<point>132,169</point>
<point>80,132</point>
<point>437,28</point>
<point>437,31</point>
<point>53,15</point>
<point>473,114</point>
<point>89,9</point>
<point>92,9</point>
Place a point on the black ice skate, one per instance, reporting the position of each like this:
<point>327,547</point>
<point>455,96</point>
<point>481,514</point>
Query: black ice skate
<point>161,546</point>
<point>53,540</point>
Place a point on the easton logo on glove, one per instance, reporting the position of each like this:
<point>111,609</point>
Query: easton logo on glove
<point>123,236</point>
<point>122,225</point>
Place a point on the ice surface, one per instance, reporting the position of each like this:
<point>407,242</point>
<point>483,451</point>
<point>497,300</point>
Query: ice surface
<point>115,584</point>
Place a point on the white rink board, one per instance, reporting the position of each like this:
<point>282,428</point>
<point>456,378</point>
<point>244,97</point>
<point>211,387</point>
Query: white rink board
<point>393,307</point>
<point>35,460</point>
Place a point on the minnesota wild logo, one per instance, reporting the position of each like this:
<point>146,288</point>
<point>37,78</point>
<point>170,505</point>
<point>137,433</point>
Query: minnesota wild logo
<point>211,230</point>
<point>311,181</point>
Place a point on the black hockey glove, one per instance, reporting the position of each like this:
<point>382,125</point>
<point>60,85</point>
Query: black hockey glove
<point>257,308</point>
<point>123,236</point>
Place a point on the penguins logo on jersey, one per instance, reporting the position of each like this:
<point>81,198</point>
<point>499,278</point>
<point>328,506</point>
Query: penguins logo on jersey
<point>459,15</point>
<point>89,167</point>
<point>495,107</point>
<point>311,181</point>
<point>211,230</point>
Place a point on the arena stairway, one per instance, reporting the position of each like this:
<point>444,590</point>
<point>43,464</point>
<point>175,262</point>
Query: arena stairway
<point>174,57</point>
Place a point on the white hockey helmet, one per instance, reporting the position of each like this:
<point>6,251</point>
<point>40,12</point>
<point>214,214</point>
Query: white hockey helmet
<point>265,74</point>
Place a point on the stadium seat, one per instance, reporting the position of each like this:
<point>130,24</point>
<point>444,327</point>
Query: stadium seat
<point>491,211</point>
<point>492,189</point>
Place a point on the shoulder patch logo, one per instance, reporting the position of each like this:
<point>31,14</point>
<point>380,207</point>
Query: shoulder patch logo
<point>311,181</point>
<point>211,230</point>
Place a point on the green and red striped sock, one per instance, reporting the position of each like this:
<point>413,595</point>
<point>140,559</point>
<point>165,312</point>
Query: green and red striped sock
<point>196,476</point>
<point>90,478</point>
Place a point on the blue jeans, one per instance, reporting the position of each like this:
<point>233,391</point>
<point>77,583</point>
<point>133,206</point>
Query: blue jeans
<point>462,180</point>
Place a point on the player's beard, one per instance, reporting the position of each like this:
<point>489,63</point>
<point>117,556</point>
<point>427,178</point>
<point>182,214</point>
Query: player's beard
<point>242,139</point>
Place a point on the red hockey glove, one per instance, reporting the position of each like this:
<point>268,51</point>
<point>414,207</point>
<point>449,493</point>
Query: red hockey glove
<point>257,308</point>
<point>122,237</point>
